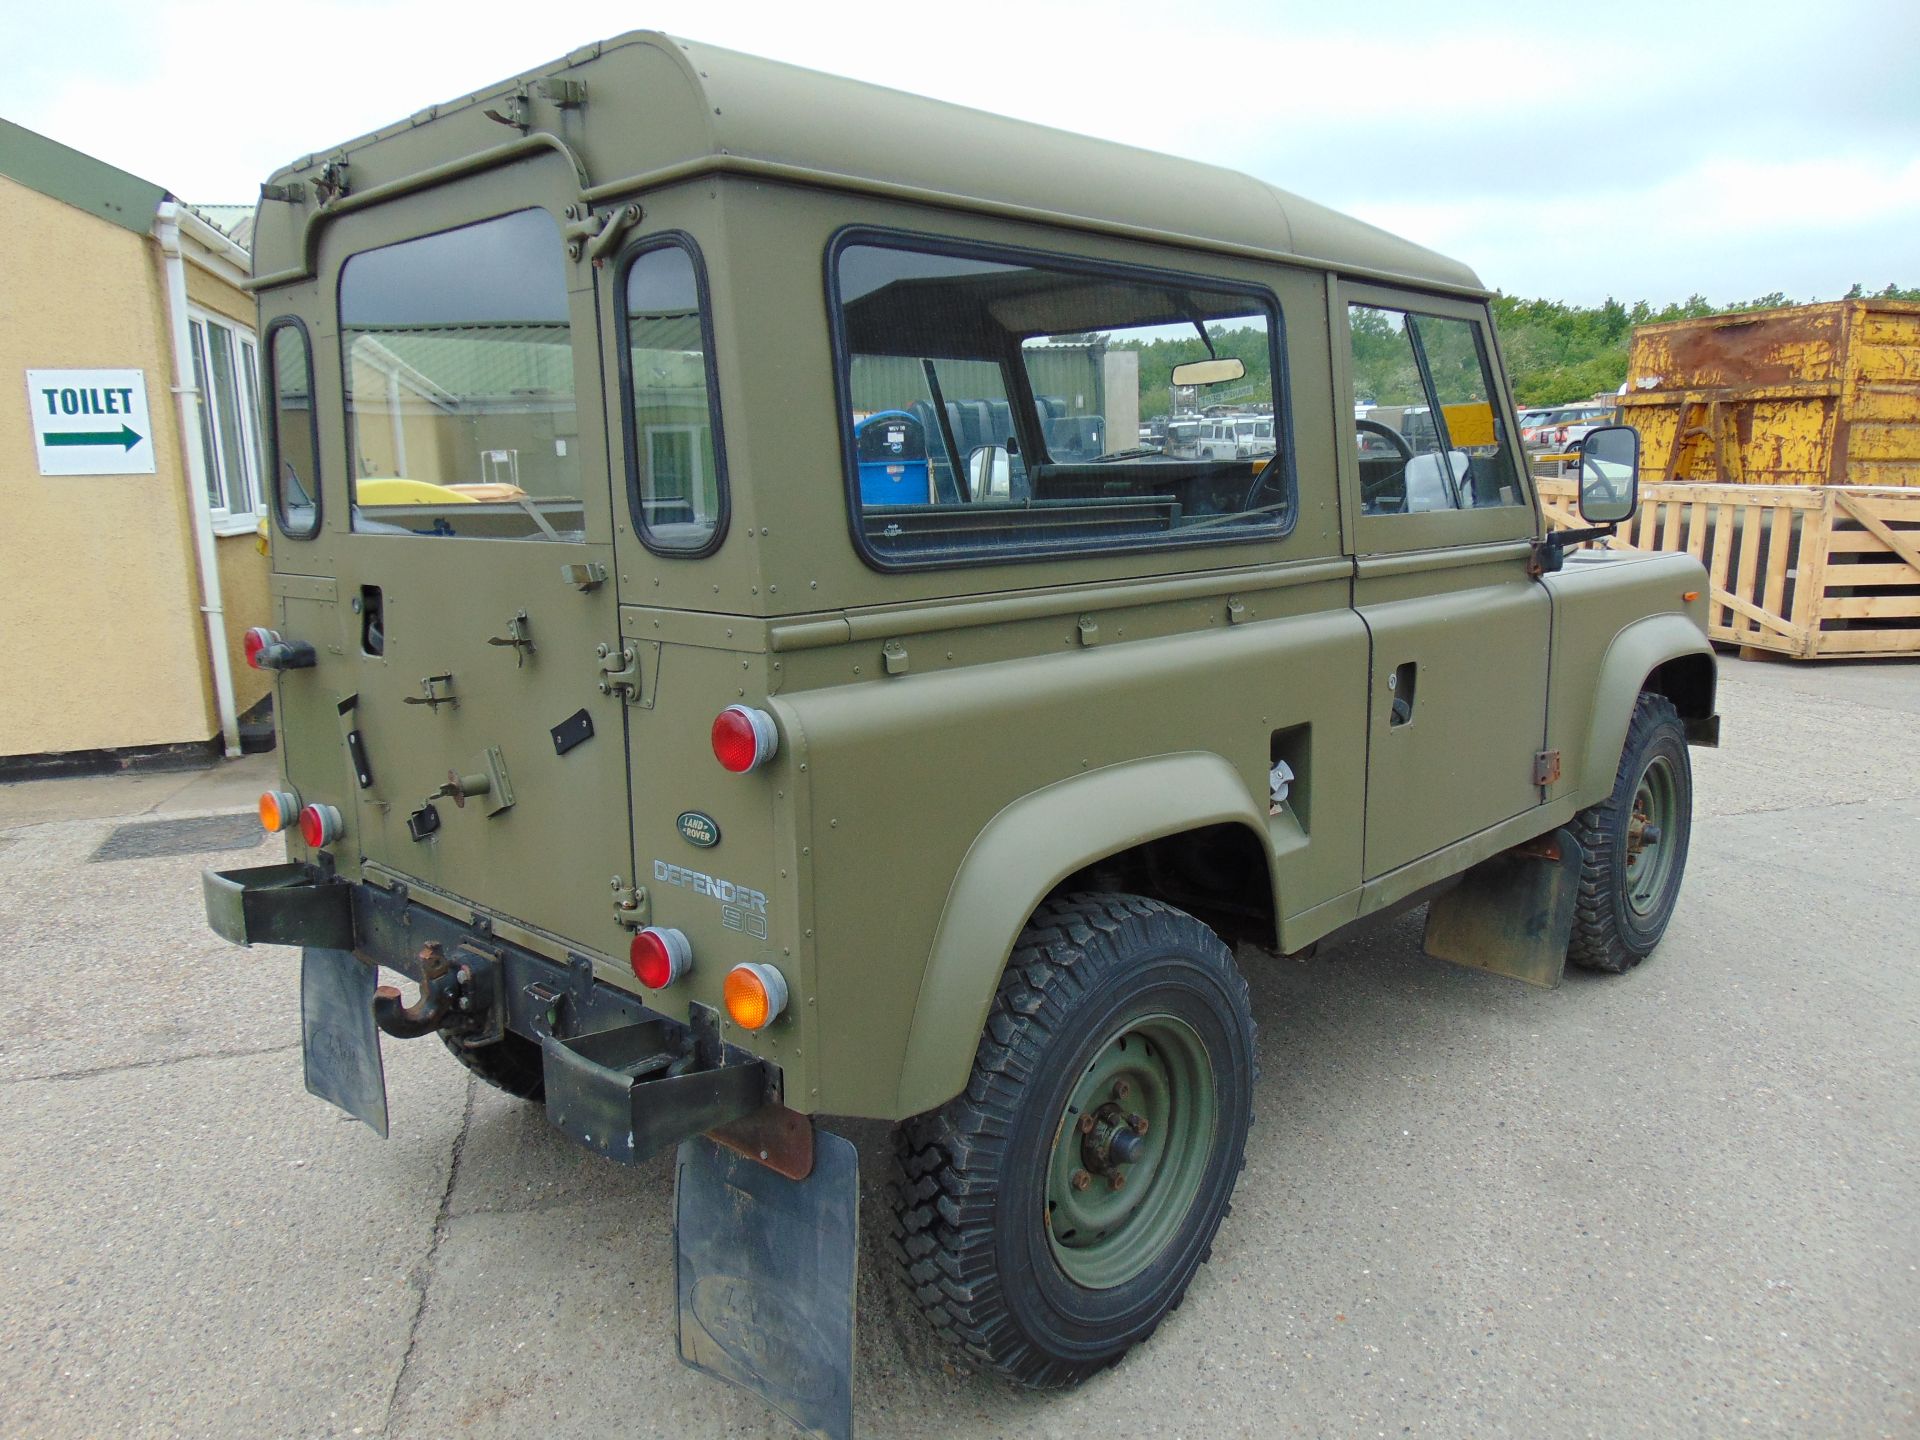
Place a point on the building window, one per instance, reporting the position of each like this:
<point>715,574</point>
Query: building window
<point>226,374</point>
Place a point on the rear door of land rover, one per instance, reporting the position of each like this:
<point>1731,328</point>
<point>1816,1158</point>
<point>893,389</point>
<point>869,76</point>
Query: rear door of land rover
<point>477,591</point>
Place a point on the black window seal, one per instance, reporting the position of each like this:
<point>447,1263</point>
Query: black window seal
<point>272,371</point>
<point>630,440</point>
<point>888,237</point>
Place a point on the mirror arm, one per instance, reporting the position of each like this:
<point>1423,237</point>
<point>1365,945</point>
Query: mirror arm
<point>1550,550</point>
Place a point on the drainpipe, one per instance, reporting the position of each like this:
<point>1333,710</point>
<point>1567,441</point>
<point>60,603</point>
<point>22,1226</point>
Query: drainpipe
<point>186,395</point>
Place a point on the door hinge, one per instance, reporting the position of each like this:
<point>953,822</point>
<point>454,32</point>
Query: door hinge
<point>619,670</point>
<point>631,907</point>
<point>1546,768</point>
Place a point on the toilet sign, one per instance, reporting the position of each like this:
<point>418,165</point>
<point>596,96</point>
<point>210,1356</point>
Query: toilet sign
<point>90,422</point>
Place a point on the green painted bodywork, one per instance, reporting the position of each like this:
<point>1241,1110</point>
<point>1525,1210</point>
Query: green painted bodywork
<point>954,743</point>
<point>78,179</point>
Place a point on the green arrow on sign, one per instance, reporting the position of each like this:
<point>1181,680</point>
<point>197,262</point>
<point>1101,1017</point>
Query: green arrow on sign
<point>125,437</point>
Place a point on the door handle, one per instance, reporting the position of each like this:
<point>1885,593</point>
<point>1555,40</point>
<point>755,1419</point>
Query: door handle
<point>1401,684</point>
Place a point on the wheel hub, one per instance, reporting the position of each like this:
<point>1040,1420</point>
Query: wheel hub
<point>1130,1151</point>
<point>1112,1138</point>
<point>1650,822</point>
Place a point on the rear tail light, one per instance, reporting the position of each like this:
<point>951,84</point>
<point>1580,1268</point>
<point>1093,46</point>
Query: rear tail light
<point>266,650</point>
<point>279,810</point>
<point>660,956</point>
<point>744,738</point>
<point>755,995</point>
<point>258,638</point>
<point>320,825</point>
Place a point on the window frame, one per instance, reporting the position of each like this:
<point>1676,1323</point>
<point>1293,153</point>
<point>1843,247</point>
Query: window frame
<point>1385,534</point>
<point>223,473</point>
<point>630,438</point>
<point>271,419</point>
<point>1021,398</point>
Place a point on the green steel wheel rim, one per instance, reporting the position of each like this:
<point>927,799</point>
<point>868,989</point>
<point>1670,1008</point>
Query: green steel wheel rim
<point>1651,835</point>
<point>1118,1190</point>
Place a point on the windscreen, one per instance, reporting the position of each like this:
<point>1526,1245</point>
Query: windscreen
<point>460,391</point>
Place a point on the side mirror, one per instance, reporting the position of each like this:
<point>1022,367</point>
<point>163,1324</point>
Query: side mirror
<point>989,473</point>
<point>1209,372</point>
<point>1609,474</point>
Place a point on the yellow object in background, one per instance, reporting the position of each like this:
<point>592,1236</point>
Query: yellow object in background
<point>1470,424</point>
<point>394,490</point>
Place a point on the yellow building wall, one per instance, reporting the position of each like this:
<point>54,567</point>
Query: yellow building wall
<point>210,292</point>
<point>99,598</point>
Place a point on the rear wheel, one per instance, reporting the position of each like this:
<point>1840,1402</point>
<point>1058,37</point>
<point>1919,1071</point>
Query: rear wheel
<point>1636,845</point>
<point>1051,1215</point>
<point>512,1064</point>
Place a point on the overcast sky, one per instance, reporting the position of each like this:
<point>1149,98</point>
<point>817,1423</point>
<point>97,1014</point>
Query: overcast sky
<point>1625,148</point>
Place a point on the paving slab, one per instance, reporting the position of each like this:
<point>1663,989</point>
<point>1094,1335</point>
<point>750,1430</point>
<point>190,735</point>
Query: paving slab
<point>201,1248</point>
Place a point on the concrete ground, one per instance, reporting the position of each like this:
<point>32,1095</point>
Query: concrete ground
<point>1685,1202</point>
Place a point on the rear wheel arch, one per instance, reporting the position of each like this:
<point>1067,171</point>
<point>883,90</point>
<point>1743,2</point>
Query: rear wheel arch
<point>1090,832</point>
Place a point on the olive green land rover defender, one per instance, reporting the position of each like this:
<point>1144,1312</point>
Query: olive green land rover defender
<point>791,600</point>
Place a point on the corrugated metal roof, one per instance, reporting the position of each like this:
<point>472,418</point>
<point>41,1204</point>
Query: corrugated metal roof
<point>233,221</point>
<point>491,363</point>
<point>77,179</point>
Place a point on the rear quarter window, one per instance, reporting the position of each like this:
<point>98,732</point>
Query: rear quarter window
<point>293,442</point>
<point>676,458</point>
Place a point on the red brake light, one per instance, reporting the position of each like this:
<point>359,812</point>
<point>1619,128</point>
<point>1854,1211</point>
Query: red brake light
<point>320,825</point>
<point>660,957</point>
<point>257,639</point>
<point>744,738</point>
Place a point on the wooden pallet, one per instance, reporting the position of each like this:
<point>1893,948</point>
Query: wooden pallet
<point>1809,571</point>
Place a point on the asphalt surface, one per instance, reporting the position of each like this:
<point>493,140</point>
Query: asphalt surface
<point>1681,1203</point>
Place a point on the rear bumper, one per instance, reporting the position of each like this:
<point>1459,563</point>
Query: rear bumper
<point>621,1078</point>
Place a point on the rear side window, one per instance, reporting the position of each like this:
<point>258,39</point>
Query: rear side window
<point>1426,431</point>
<point>460,395</point>
<point>676,463</point>
<point>292,442</point>
<point>1000,405</point>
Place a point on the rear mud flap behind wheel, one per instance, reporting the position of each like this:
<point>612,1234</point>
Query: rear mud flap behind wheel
<point>339,1038</point>
<point>765,1272</point>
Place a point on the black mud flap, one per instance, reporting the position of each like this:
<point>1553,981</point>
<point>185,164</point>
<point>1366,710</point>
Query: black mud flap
<point>765,1267</point>
<point>1512,914</point>
<point>341,1043</point>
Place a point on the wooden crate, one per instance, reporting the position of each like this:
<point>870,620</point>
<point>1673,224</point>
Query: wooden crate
<point>1806,571</point>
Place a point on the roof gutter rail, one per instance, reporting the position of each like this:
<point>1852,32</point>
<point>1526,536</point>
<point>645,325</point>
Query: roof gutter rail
<point>488,159</point>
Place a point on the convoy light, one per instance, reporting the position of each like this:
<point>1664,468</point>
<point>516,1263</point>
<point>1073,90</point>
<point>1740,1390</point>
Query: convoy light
<point>279,810</point>
<point>660,956</point>
<point>257,639</point>
<point>755,995</point>
<point>320,825</point>
<point>744,738</point>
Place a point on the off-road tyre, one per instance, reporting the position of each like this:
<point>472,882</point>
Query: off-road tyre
<point>1618,917</point>
<point>513,1064</point>
<point>973,1202</point>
